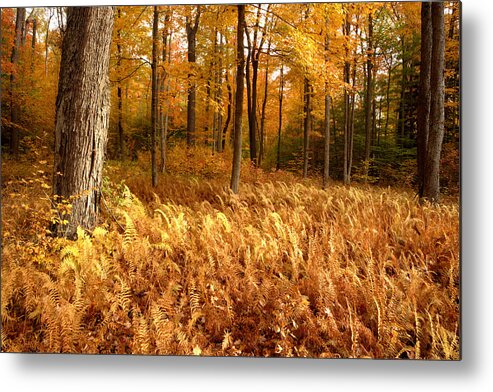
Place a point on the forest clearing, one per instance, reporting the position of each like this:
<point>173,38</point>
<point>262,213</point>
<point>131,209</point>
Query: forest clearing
<point>272,180</point>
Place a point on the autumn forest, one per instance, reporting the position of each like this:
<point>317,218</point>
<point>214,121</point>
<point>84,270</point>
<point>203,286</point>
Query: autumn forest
<point>234,180</point>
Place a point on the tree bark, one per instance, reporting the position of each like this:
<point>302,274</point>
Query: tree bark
<point>369,95</point>
<point>228,111</point>
<point>191,29</point>
<point>325,180</point>
<point>14,99</point>
<point>154,96</point>
<point>431,190</point>
<point>264,107</point>
<point>347,127</point>
<point>281,93</point>
<point>82,116</point>
<point>240,61</point>
<point>167,36</point>
<point>46,41</point>
<point>424,92</point>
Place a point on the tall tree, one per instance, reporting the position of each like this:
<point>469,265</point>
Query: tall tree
<point>192,25</point>
<point>369,93</point>
<point>165,87</point>
<point>82,115</point>
<point>307,123</point>
<point>281,94</point>
<point>346,29</point>
<point>240,66</point>
<point>431,190</point>
<point>325,180</point>
<point>154,95</point>
<point>424,92</point>
<point>14,99</point>
<point>255,45</point>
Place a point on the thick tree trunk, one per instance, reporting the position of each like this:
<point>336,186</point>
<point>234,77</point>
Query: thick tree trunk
<point>240,61</point>
<point>431,190</point>
<point>14,99</point>
<point>191,29</point>
<point>82,116</point>
<point>424,92</point>
<point>154,97</point>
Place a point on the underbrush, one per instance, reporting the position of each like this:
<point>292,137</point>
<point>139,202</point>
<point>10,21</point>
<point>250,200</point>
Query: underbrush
<point>282,269</point>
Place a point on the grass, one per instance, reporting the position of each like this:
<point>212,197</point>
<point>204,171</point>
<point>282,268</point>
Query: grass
<point>282,269</point>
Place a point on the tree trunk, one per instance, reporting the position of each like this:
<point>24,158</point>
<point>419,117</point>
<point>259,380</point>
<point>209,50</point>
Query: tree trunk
<point>14,99</point>
<point>240,61</point>
<point>191,29</point>
<point>82,116</point>
<point>46,41</point>
<point>437,85</point>
<point>219,99</point>
<point>347,69</point>
<point>325,180</point>
<point>228,112</point>
<point>154,96</point>
<point>424,92</point>
<point>369,95</point>
<point>167,34</point>
<point>307,124</point>
<point>281,93</point>
<point>387,95</point>
<point>264,106</point>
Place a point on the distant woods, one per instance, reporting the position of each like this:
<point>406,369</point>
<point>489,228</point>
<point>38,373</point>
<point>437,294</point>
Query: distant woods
<point>365,92</point>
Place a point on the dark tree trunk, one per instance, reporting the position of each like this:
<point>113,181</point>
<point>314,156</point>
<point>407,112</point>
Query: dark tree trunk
<point>369,95</point>
<point>325,180</point>
<point>191,29</point>
<point>347,127</point>
<point>154,97</point>
<point>82,116</point>
<point>251,115</point>
<point>431,190</point>
<point>387,98</point>
<point>424,92</point>
<point>33,42</point>
<point>14,99</point>
<point>228,112</point>
<point>219,99</point>
<point>240,61</point>
<point>281,93</point>
<point>264,107</point>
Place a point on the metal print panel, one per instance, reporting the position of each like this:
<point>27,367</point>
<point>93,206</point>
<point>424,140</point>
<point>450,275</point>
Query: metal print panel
<point>269,180</point>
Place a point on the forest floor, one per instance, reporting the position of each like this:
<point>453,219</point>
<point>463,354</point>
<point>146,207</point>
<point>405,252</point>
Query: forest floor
<point>282,269</point>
